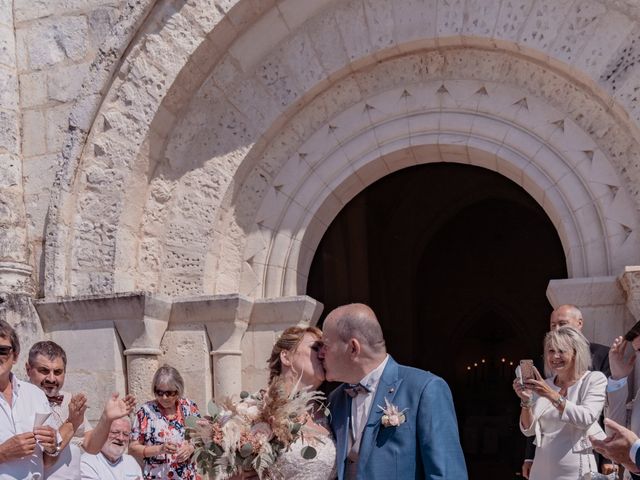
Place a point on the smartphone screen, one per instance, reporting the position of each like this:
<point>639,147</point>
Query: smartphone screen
<point>526,369</point>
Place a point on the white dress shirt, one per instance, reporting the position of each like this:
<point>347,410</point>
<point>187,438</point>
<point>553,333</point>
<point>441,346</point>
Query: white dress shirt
<point>19,417</point>
<point>361,404</point>
<point>98,467</point>
<point>67,466</point>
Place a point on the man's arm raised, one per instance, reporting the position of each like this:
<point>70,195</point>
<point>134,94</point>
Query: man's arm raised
<point>115,408</point>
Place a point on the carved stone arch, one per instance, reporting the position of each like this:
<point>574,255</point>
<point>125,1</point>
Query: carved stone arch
<point>520,136</point>
<point>118,226</point>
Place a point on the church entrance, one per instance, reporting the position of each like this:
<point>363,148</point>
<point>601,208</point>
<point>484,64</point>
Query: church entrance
<point>455,261</point>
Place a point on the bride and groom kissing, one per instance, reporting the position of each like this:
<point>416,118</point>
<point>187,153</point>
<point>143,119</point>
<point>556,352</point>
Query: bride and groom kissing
<point>387,421</point>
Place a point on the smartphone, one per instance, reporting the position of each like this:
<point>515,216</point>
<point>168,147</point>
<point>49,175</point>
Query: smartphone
<point>526,370</point>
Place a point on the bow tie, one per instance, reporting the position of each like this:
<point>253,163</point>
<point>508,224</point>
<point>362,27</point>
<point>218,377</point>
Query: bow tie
<point>355,390</point>
<point>56,399</point>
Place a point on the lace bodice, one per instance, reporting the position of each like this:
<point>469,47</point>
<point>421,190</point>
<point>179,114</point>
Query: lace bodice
<point>292,466</point>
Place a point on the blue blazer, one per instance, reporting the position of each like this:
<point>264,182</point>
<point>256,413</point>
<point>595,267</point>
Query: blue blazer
<point>425,446</point>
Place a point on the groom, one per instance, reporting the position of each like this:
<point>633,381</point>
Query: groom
<point>422,443</point>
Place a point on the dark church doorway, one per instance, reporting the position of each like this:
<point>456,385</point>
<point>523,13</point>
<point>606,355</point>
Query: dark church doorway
<point>455,260</point>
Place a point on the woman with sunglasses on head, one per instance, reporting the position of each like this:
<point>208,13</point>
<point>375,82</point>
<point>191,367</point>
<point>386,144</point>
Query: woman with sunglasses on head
<point>158,434</point>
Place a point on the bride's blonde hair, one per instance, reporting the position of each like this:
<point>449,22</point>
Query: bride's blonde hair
<point>288,342</point>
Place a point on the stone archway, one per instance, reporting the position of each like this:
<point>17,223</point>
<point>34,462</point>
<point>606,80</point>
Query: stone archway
<point>455,260</point>
<point>229,138</point>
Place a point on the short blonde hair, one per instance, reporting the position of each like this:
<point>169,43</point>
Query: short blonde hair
<point>568,339</point>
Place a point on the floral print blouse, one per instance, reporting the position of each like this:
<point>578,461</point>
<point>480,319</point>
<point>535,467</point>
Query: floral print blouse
<point>152,427</point>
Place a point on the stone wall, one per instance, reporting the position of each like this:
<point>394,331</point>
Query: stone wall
<point>56,42</point>
<point>192,149</point>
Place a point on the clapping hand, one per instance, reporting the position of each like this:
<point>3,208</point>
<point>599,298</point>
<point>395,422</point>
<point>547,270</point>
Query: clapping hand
<point>119,407</point>
<point>77,409</point>
<point>620,367</point>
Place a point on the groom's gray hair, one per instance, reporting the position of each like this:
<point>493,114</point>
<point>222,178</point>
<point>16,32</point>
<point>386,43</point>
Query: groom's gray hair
<point>359,321</point>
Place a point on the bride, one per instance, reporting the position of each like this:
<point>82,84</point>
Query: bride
<point>294,360</point>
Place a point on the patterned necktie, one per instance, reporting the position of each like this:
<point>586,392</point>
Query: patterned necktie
<point>56,399</point>
<point>355,390</point>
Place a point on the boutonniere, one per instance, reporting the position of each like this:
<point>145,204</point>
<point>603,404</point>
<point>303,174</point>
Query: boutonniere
<point>392,416</point>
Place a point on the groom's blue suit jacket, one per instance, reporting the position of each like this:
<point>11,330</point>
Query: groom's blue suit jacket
<point>426,446</point>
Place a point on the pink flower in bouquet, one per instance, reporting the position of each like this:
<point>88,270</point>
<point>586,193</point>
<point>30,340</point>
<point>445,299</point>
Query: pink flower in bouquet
<point>249,409</point>
<point>262,430</point>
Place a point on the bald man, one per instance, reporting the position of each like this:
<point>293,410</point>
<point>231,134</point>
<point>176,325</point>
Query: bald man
<point>389,421</point>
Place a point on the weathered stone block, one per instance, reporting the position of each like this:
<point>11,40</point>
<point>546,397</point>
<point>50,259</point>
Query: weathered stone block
<point>8,89</point>
<point>13,241</point>
<point>6,13</point>
<point>55,40</point>
<point>9,136</point>
<point>57,127</point>
<point>33,130</point>
<point>64,83</point>
<point>10,171</point>
<point>34,9</point>
<point>7,47</point>
<point>33,89</point>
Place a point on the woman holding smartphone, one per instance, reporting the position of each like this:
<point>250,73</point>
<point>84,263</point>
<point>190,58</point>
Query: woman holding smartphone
<point>563,410</point>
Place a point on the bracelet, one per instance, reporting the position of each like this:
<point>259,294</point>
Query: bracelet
<point>527,404</point>
<point>559,402</point>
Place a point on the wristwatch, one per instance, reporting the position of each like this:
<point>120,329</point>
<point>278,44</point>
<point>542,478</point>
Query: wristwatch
<point>559,402</point>
<point>56,452</point>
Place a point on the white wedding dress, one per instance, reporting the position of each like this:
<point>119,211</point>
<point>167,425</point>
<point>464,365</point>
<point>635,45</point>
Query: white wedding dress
<point>292,466</point>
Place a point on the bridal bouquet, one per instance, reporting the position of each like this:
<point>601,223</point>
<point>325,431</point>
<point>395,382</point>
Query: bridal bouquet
<point>253,432</point>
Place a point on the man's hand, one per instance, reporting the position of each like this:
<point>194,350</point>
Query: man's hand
<point>616,446</point>
<point>184,452</point>
<point>47,438</point>
<point>119,407</point>
<point>77,409</point>
<point>619,367</point>
<point>526,469</point>
<point>17,446</point>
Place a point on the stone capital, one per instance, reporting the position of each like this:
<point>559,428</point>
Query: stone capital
<point>282,312</point>
<point>601,300</point>
<point>139,318</point>
<point>226,318</point>
<point>630,282</point>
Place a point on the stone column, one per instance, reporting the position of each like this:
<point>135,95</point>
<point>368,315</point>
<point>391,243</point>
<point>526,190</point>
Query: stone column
<point>269,318</point>
<point>226,318</point>
<point>602,302</point>
<point>16,273</point>
<point>93,329</point>
<point>141,334</point>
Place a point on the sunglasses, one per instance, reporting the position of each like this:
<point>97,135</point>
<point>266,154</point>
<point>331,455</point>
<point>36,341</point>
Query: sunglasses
<point>5,350</point>
<point>166,393</point>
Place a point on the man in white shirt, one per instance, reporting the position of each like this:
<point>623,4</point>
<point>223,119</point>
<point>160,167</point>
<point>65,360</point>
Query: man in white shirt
<point>46,368</point>
<point>24,441</point>
<point>112,463</point>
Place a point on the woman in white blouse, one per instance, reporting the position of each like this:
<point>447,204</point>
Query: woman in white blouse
<point>563,410</point>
